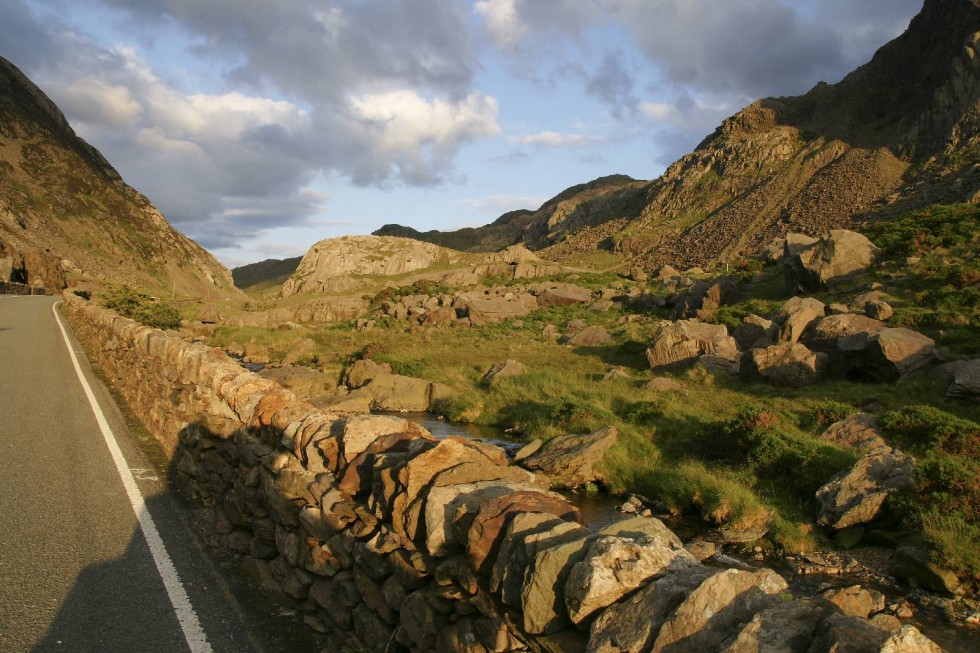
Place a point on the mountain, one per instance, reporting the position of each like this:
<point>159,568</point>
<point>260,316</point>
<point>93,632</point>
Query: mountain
<point>271,271</point>
<point>900,133</point>
<point>65,210</point>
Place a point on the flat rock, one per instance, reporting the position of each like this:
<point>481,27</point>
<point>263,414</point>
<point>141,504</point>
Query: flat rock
<point>855,600</point>
<point>787,628</point>
<point>564,294</point>
<point>796,315</point>
<point>573,458</point>
<point>663,384</point>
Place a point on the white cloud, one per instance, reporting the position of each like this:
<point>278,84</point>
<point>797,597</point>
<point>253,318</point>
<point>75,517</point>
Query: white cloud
<point>495,205</point>
<point>555,139</point>
<point>93,100</point>
<point>502,22</point>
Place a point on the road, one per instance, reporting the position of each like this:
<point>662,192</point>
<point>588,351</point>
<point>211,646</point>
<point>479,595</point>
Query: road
<point>76,571</point>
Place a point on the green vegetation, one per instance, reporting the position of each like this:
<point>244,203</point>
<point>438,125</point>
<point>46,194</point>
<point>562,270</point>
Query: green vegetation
<point>141,307</point>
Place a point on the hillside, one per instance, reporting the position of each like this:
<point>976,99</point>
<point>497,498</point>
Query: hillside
<point>270,271</point>
<point>900,133</point>
<point>64,207</point>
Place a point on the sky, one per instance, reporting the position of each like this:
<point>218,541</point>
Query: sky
<point>260,127</point>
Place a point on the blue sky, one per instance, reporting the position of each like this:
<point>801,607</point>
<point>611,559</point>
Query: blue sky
<point>260,127</point>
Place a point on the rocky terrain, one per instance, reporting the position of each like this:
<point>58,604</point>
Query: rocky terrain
<point>897,134</point>
<point>270,271</point>
<point>65,211</point>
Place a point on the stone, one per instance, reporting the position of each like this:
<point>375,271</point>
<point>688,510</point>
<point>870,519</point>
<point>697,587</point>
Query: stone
<point>528,449</point>
<point>513,556</point>
<point>395,392</point>
<point>574,458</point>
<point>444,315</point>
<point>855,496</point>
<point>889,354</point>
<point>362,430</point>
<point>788,364</point>
<point>909,640</point>
<point>614,566</point>
<point>501,370</point>
<point>787,628</point>
<point>754,332</point>
<point>616,374</point>
<point>855,600</point>
<point>701,549</point>
<point>681,344</point>
<point>824,334</point>
<point>916,567</point>
<point>849,634</point>
<point>492,311</point>
<point>590,337</point>
<point>486,531</point>
<point>796,315</point>
<point>878,310</point>
<point>208,314</point>
<point>966,381</point>
<point>663,384</point>
<point>858,431</point>
<point>363,371</point>
<point>834,258</point>
<point>303,350</point>
<point>564,294</point>
<point>704,298</point>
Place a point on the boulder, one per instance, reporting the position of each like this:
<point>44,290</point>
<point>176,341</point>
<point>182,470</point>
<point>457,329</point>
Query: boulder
<point>447,504</point>
<point>703,298</point>
<point>573,458</point>
<point>589,337</point>
<point>788,363</point>
<point>362,430</point>
<point>966,381</point>
<point>208,314</point>
<point>564,294</point>
<point>363,371</point>
<point>507,368</point>
<point>858,431</point>
<point>786,628</point>
<point>845,633</point>
<point>491,311</point>
<point>663,384</point>
<point>916,567</point>
<point>399,393</point>
<point>444,315</point>
<point>615,566</point>
<point>855,496</point>
<point>837,256</point>
<point>878,310</point>
<point>301,351</point>
<point>616,374</point>
<point>824,334</point>
<point>855,600</point>
<point>754,332</point>
<point>796,315</point>
<point>889,354</point>
<point>683,343</point>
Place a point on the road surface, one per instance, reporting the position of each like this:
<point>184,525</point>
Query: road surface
<point>76,570</point>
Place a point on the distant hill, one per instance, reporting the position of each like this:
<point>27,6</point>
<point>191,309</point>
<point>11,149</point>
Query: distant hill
<point>899,133</point>
<point>270,271</point>
<point>65,210</point>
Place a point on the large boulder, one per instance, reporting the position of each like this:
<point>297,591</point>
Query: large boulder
<point>590,336</point>
<point>502,370</point>
<point>837,256</point>
<point>844,633</point>
<point>788,363</point>
<point>684,343</point>
<point>493,310</point>
<point>966,381</point>
<point>855,496</point>
<point>858,431</point>
<point>703,298</point>
<point>785,628</point>
<point>917,568</point>
<point>574,459</point>
<point>755,332</point>
<point>564,294</point>
<point>796,315</point>
<point>889,354</point>
<point>824,334</point>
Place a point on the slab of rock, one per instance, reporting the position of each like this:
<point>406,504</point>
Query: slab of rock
<point>362,430</point>
<point>515,549</point>
<point>878,310</point>
<point>841,632</point>
<point>590,337</point>
<point>444,505</point>
<point>494,310</point>
<point>823,335</point>
<point>507,368</point>
<point>966,381</point>
<point>399,393</point>
<point>614,566</point>
<point>837,256</point>
<point>889,354</point>
<point>857,431</point>
<point>796,315</point>
<point>787,628</point>
<point>855,600</point>
<point>788,363</point>
<point>564,294</point>
<point>855,495</point>
<point>574,458</point>
<point>682,344</point>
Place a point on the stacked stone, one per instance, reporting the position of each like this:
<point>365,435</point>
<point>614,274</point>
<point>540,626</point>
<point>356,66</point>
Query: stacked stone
<point>376,530</point>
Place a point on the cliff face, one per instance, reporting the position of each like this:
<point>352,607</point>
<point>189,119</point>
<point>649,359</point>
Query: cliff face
<point>62,203</point>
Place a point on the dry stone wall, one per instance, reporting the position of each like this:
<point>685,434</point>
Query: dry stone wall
<point>379,533</point>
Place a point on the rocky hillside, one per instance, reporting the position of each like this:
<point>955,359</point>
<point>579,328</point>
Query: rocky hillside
<point>900,133</point>
<point>332,265</point>
<point>64,209</point>
<point>270,271</point>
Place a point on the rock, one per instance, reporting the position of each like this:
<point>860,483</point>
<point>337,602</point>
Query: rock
<point>966,381</point>
<point>574,458</point>
<point>614,566</point>
<point>521,534</point>
<point>364,371</point>
<point>889,354</point>
<point>616,374</point>
<point>886,622</point>
<point>589,337</point>
<point>492,311</point>
<point>445,504</point>
<point>796,315</point>
<point>362,430</point>
<point>301,351</point>
<point>444,315</point>
<point>755,332</point>
<point>528,449</point>
<point>602,305</point>
<point>790,363</point>
<point>824,334</point>
<point>307,384</point>
<point>772,252</point>
<point>855,496</point>
<point>574,326</point>
<point>682,344</point>
<point>916,567</point>
<point>909,640</point>
<point>858,431</point>
<point>844,633</point>
<point>787,628</point>
<point>663,384</point>
<point>207,314</point>
<point>837,256</point>
<point>564,294</point>
<point>701,549</point>
<point>878,310</point>
<point>507,368</point>
<point>550,331</point>
<point>855,600</point>
<point>703,298</point>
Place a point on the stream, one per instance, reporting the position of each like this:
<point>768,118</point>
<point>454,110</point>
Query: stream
<point>600,509</point>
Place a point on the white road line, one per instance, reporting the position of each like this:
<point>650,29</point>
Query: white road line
<point>189,623</point>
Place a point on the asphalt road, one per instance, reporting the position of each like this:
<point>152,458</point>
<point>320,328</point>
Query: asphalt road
<point>76,572</point>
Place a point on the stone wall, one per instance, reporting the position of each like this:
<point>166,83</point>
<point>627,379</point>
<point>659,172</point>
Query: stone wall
<point>379,533</point>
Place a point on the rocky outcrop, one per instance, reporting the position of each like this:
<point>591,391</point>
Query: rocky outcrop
<point>835,257</point>
<point>328,265</point>
<point>966,381</point>
<point>888,354</point>
<point>574,459</point>
<point>704,298</point>
<point>790,364</point>
<point>858,431</point>
<point>316,311</point>
<point>796,316</point>
<point>855,496</point>
<point>685,343</point>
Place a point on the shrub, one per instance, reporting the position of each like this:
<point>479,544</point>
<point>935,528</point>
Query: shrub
<point>924,231</point>
<point>922,429</point>
<point>828,411</point>
<point>139,306</point>
<point>404,366</point>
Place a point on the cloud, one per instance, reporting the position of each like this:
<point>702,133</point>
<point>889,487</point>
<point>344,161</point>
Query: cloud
<point>555,139</point>
<point>613,85</point>
<point>502,22</point>
<point>496,205</point>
